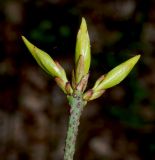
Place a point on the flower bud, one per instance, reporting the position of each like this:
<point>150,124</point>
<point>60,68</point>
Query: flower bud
<point>45,61</point>
<point>83,48</point>
<point>116,75</point>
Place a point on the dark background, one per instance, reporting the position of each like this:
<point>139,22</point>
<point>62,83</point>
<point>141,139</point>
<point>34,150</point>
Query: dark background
<point>33,110</point>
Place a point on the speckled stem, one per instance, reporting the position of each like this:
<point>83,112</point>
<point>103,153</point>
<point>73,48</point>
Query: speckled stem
<point>77,104</point>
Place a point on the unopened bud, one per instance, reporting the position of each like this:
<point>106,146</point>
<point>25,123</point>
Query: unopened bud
<point>83,47</point>
<point>116,75</point>
<point>45,61</point>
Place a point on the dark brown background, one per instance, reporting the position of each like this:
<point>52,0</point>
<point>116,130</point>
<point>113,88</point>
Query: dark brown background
<point>34,112</point>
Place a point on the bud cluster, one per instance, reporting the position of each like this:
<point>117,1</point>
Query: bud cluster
<point>80,73</point>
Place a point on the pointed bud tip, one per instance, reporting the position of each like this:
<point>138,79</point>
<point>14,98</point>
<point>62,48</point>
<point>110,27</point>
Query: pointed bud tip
<point>83,46</point>
<point>83,23</point>
<point>132,61</point>
<point>24,39</point>
<point>136,58</point>
<point>83,28</point>
<point>22,36</point>
<point>27,43</point>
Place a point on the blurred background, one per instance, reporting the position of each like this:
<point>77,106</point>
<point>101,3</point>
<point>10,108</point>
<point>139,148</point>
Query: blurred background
<point>34,112</point>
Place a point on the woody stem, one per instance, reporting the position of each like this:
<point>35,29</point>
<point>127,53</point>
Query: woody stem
<point>77,104</point>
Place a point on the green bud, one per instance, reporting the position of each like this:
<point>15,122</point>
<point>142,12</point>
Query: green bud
<point>45,61</point>
<point>83,47</point>
<point>116,75</point>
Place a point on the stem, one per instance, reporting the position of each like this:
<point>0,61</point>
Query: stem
<point>77,104</point>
